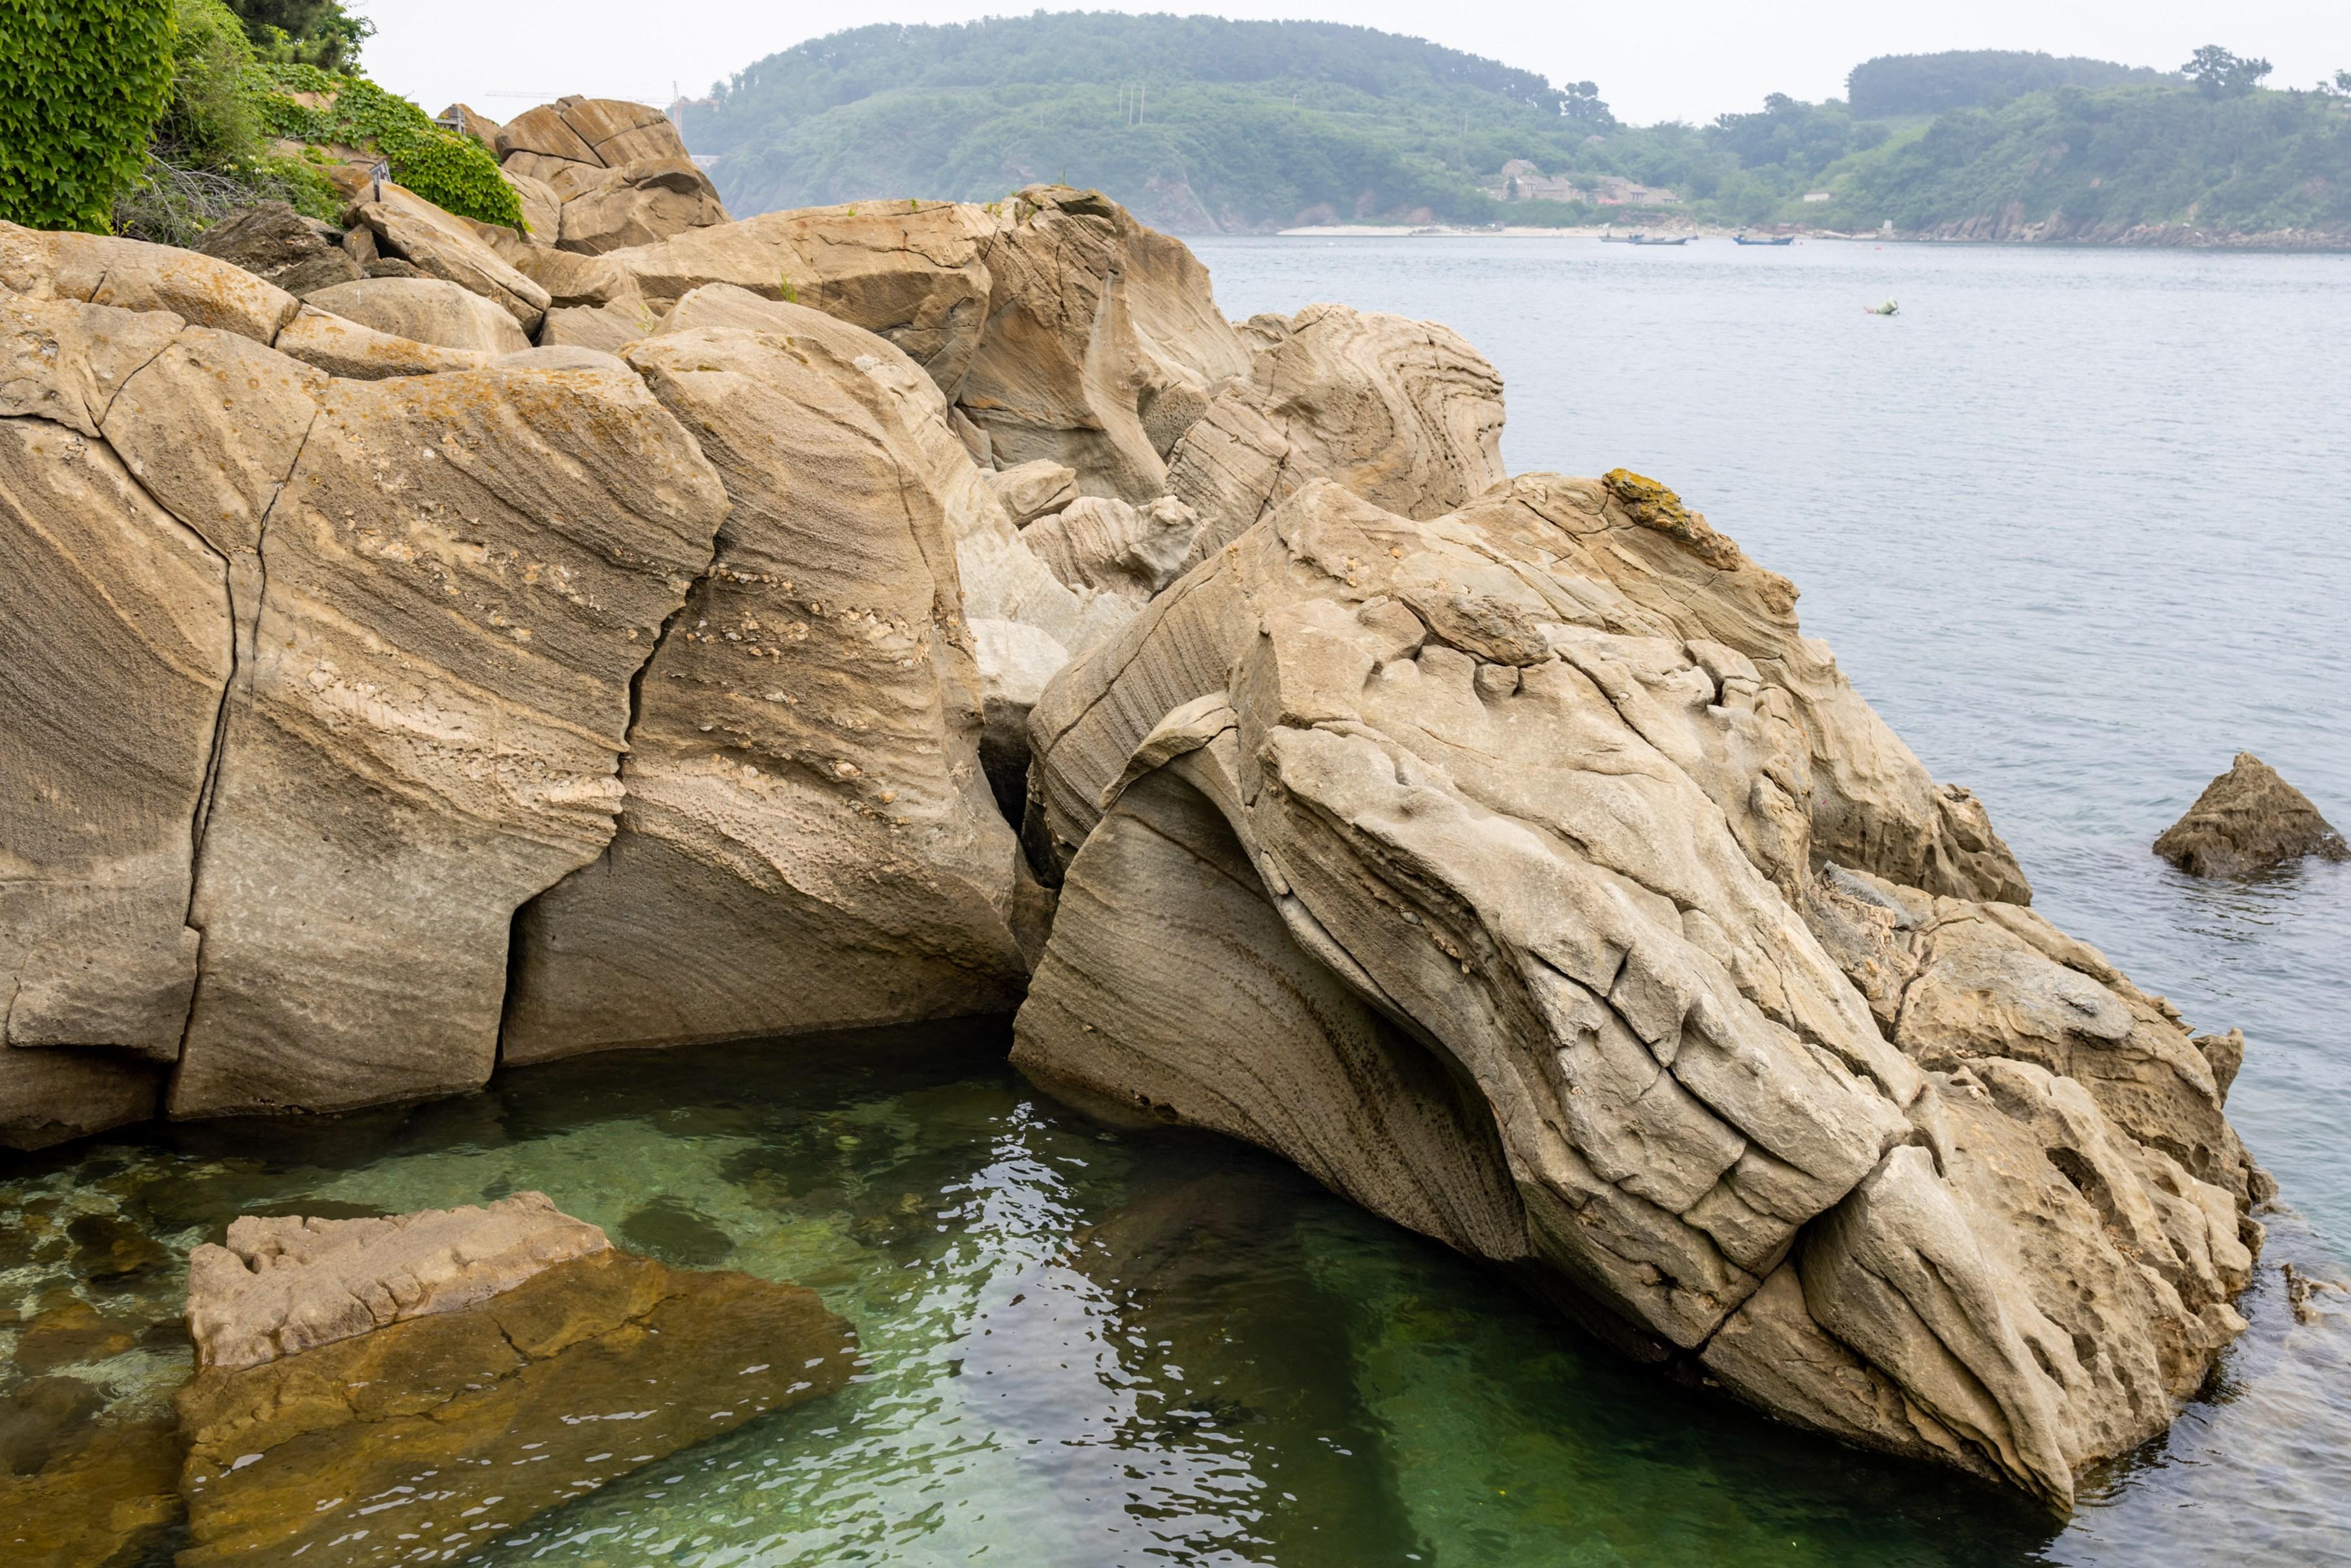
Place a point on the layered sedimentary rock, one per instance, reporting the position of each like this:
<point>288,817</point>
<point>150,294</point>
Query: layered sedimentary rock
<point>2248,820</point>
<point>1405,414</point>
<point>1503,833</point>
<point>803,774</point>
<point>464,573</point>
<point>423,310</point>
<point>1103,345</point>
<point>913,272</point>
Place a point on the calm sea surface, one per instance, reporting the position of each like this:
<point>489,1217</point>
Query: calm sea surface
<point>2079,523</point>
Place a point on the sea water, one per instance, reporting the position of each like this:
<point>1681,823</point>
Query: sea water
<point>2075,521</point>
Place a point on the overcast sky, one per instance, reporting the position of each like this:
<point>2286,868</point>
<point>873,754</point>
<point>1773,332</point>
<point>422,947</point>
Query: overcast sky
<point>1658,59</point>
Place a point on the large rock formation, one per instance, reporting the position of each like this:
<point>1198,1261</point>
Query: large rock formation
<point>1498,850</point>
<point>803,774</point>
<point>1489,866</point>
<point>1405,414</point>
<point>2248,820</point>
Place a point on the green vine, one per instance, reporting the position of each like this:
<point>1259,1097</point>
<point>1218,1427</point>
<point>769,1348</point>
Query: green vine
<point>80,82</point>
<point>445,167</point>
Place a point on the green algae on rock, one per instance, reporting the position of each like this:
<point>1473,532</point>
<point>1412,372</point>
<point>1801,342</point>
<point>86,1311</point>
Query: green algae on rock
<point>450,1428</point>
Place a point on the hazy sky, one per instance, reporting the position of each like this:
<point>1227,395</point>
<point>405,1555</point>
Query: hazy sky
<point>1655,59</point>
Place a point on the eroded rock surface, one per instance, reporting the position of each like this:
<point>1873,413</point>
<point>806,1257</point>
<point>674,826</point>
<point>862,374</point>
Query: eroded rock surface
<point>458,1426</point>
<point>1104,343</point>
<point>279,1287</point>
<point>1476,864</point>
<point>2248,820</point>
<point>803,774</point>
<point>1405,414</point>
<point>614,175</point>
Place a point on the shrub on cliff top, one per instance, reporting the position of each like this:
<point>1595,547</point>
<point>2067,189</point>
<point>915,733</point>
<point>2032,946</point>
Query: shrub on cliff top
<point>80,83</point>
<point>445,167</point>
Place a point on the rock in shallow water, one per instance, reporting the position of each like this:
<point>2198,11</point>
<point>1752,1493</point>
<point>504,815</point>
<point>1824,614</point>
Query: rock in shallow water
<point>2248,820</point>
<point>283,1286</point>
<point>456,1427</point>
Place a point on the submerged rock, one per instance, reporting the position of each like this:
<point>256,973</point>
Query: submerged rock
<point>279,1287</point>
<point>2248,820</point>
<point>459,1425</point>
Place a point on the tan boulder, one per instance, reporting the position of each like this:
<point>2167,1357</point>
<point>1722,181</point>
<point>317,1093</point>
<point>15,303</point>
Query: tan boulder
<point>1102,343</point>
<point>465,573</point>
<point>471,122</point>
<point>639,204</point>
<point>807,840</point>
<point>274,242</point>
<point>424,310</point>
<point>53,1096</point>
<point>281,1286</point>
<point>1406,413</point>
<point>131,275</point>
<point>1100,543</point>
<point>912,272</point>
<point>405,227</point>
<point>541,204</point>
<point>341,347</point>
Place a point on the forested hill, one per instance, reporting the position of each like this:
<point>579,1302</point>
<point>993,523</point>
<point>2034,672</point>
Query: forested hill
<point>1198,122</point>
<point>1201,124</point>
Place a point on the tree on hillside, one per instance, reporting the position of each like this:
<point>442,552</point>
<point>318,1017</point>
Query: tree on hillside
<point>319,33</point>
<point>2216,73</point>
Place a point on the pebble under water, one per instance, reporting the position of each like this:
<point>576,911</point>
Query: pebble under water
<point>2074,521</point>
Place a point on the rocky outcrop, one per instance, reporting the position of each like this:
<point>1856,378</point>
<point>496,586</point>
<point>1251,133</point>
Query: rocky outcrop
<point>2248,820</point>
<point>279,1287</point>
<point>424,310</point>
<point>911,272</point>
<point>1405,414</point>
<point>1476,864</point>
<point>1106,545</point>
<point>452,1373</point>
<point>1103,345</point>
<point>392,222</point>
<point>615,173</point>
<point>274,242</point>
<point>803,773</point>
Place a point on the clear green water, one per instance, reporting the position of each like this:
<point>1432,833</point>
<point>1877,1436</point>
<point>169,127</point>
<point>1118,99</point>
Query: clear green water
<point>1088,1347</point>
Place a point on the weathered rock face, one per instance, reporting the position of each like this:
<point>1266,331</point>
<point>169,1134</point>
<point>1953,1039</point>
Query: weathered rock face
<point>424,310</point>
<point>912,272</point>
<point>464,574</point>
<point>282,1286</point>
<point>274,242</point>
<point>803,774</point>
<point>504,1345</point>
<point>1405,414</point>
<point>1103,544</point>
<point>1102,343</point>
<point>1500,834</point>
<point>2248,820</point>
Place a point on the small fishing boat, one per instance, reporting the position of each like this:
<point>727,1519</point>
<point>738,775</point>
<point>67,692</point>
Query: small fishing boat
<point>1772,239</point>
<point>1644,239</point>
<point>1888,308</point>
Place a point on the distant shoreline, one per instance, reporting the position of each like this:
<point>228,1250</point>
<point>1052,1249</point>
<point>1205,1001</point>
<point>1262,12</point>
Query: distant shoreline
<point>2175,237</point>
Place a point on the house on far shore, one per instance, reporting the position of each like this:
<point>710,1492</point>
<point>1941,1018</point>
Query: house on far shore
<point>1521,181</point>
<point>1820,196</point>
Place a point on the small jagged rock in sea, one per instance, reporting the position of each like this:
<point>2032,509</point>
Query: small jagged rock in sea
<point>1495,847</point>
<point>460,1371</point>
<point>2248,820</point>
